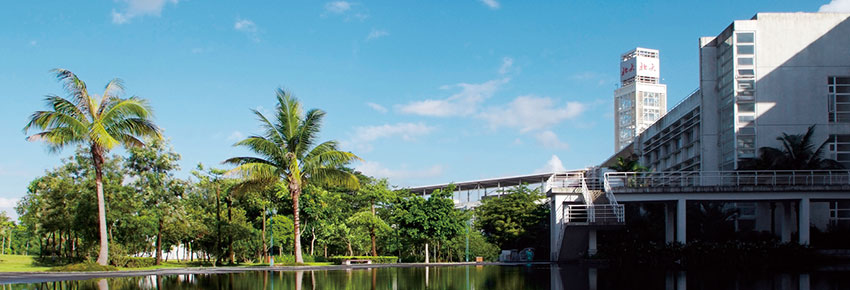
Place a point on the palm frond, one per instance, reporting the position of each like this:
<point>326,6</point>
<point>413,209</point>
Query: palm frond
<point>57,138</point>
<point>264,147</point>
<point>113,90</point>
<point>140,127</point>
<point>271,130</point>
<point>334,177</point>
<point>48,120</point>
<point>288,117</point>
<point>119,109</point>
<point>259,172</point>
<point>308,131</point>
<point>76,88</point>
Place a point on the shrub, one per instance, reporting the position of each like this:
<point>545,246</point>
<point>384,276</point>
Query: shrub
<point>83,267</point>
<point>376,260</point>
<point>131,262</point>
<point>290,259</point>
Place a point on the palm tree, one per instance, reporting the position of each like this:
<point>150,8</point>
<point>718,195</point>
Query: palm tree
<point>98,123</point>
<point>628,164</point>
<point>798,152</point>
<point>288,156</point>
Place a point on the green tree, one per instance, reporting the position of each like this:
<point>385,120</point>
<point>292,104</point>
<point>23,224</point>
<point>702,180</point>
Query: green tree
<point>798,152</point>
<point>288,154</point>
<point>100,124</point>
<point>153,167</point>
<point>515,220</point>
<point>426,221</point>
<point>373,192</point>
<point>628,164</point>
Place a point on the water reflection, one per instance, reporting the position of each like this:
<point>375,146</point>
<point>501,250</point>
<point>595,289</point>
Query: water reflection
<point>541,276</point>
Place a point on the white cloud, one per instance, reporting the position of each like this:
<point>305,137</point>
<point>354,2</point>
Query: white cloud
<point>236,136</point>
<point>550,140</point>
<point>376,33</point>
<point>463,103</point>
<point>507,63</point>
<point>398,175</point>
<point>376,107</point>
<point>248,27</point>
<point>553,165</point>
<point>836,6</point>
<point>407,132</point>
<point>493,4</point>
<point>8,202</point>
<point>338,7</point>
<point>528,113</point>
<point>139,8</point>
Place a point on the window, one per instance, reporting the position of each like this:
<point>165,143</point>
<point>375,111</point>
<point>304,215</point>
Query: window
<point>746,73</point>
<point>746,119</point>
<point>745,61</point>
<point>838,91</point>
<point>839,213</point>
<point>746,107</point>
<point>839,146</point>
<point>746,37</point>
<point>746,49</point>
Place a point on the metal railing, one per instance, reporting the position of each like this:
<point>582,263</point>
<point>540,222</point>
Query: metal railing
<point>615,180</point>
<point>590,214</point>
<point>564,180</point>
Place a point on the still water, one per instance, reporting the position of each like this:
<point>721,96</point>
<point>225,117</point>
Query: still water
<point>538,276</point>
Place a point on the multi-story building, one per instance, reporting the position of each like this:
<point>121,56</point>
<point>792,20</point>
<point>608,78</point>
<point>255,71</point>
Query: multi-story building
<point>759,78</point>
<point>641,99</point>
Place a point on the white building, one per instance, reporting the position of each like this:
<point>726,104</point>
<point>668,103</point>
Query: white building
<point>772,74</point>
<point>641,99</point>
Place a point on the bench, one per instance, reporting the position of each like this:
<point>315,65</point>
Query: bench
<point>348,262</point>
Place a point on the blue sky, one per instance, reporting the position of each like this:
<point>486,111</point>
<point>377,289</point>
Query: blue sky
<point>425,92</point>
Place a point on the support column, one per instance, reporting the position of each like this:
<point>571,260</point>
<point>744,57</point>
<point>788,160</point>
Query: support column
<point>681,221</point>
<point>805,220</point>
<point>784,209</point>
<point>669,222</point>
<point>591,242</point>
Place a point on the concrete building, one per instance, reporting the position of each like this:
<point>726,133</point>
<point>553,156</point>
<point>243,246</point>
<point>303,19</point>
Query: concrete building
<point>772,74</point>
<point>641,99</point>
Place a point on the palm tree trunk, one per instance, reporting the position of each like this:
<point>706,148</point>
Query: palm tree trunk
<point>295,189</point>
<point>97,157</point>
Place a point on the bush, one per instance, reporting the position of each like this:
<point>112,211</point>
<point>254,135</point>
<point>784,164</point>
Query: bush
<point>83,267</point>
<point>131,262</point>
<point>376,260</point>
<point>290,259</point>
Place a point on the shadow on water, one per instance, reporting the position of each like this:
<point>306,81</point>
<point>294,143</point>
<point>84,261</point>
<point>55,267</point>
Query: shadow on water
<point>538,276</point>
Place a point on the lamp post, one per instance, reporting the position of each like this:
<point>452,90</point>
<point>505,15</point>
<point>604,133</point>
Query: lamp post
<point>271,231</point>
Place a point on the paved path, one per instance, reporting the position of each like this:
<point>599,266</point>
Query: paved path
<point>37,277</point>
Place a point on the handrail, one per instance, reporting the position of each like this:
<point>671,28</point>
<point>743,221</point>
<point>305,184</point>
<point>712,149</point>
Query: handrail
<point>726,178</point>
<point>607,213</point>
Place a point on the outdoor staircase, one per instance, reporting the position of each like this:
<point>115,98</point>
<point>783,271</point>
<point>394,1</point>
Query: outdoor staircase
<point>596,209</point>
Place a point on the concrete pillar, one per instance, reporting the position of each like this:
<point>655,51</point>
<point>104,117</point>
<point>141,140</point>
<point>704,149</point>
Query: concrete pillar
<point>681,281</point>
<point>763,216</point>
<point>681,221</point>
<point>669,222</point>
<point>592,277</point>
<point>805,282</point>
<point>784,211</point>
<point>591,242</point>
<point>556,210</point>
<point>805,220</point>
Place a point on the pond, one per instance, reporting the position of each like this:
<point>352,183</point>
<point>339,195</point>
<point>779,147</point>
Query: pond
<point>535,276</point>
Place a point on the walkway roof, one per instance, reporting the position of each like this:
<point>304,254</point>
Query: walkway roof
<point>488,183</point>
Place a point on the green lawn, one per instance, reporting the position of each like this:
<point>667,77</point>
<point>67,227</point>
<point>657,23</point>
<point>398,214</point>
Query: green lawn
<point>19,263</point>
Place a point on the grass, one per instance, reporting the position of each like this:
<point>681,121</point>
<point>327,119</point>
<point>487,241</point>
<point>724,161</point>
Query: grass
<point>19,263</point>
